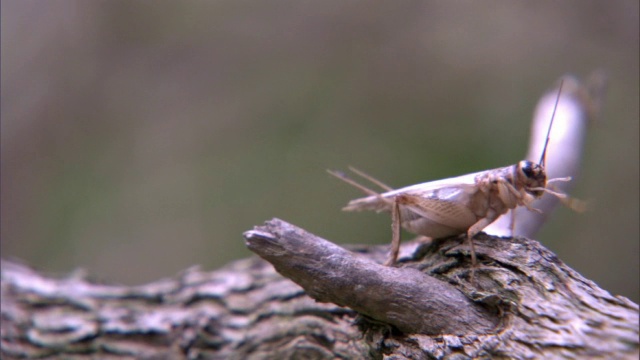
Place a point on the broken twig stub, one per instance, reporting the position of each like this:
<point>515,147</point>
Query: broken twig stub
<point>403,297</point>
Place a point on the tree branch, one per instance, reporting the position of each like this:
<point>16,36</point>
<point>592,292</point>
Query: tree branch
<point>525,303</point>
<point>403,297</point>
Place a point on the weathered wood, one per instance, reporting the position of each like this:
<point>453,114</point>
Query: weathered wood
<point>525,303</point>
<point>403,297</point>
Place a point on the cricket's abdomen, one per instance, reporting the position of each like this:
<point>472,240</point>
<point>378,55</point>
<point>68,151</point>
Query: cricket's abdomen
<point>437,220</point>
<point>430,228</point>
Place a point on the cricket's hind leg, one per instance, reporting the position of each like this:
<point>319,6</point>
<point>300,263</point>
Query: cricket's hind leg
<point>395,229</point>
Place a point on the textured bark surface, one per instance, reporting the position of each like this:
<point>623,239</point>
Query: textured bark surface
<point>524,303</point>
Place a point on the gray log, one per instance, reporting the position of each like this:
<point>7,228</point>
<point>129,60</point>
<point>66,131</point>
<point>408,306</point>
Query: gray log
<point>523,303</point>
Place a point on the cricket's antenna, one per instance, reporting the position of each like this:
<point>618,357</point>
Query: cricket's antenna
<point>543,158</point>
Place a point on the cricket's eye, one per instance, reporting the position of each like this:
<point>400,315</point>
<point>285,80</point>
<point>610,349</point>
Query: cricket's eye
<point>529,169</point>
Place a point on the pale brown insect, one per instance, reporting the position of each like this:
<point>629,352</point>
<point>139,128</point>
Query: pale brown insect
<point>458,205</point>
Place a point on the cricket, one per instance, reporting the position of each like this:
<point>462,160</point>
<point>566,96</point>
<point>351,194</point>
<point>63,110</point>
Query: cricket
<point>459,205</point>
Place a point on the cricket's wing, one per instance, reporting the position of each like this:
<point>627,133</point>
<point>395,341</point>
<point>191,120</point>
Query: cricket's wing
<point>384,201</point>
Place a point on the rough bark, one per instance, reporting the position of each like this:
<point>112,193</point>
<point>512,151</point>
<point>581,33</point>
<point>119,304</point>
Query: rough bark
<point>523,303</point>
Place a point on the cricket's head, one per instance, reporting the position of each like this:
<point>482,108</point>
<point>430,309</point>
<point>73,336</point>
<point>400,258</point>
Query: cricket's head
<point>532,176</point>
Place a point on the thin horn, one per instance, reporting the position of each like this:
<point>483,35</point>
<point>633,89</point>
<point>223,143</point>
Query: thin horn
<point>543,158</point>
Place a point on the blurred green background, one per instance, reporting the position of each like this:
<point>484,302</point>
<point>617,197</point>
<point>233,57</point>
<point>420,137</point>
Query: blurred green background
<point>142,137</point>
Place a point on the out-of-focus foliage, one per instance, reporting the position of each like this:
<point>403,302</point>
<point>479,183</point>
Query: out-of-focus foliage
<point>139,137</point>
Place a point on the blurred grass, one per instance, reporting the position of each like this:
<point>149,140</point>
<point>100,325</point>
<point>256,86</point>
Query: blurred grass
<point>140,138</point>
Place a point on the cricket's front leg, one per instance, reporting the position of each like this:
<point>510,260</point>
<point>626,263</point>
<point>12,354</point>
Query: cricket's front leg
<point>512,222</point>
<point>395,229</point>
<point>473,231</point>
